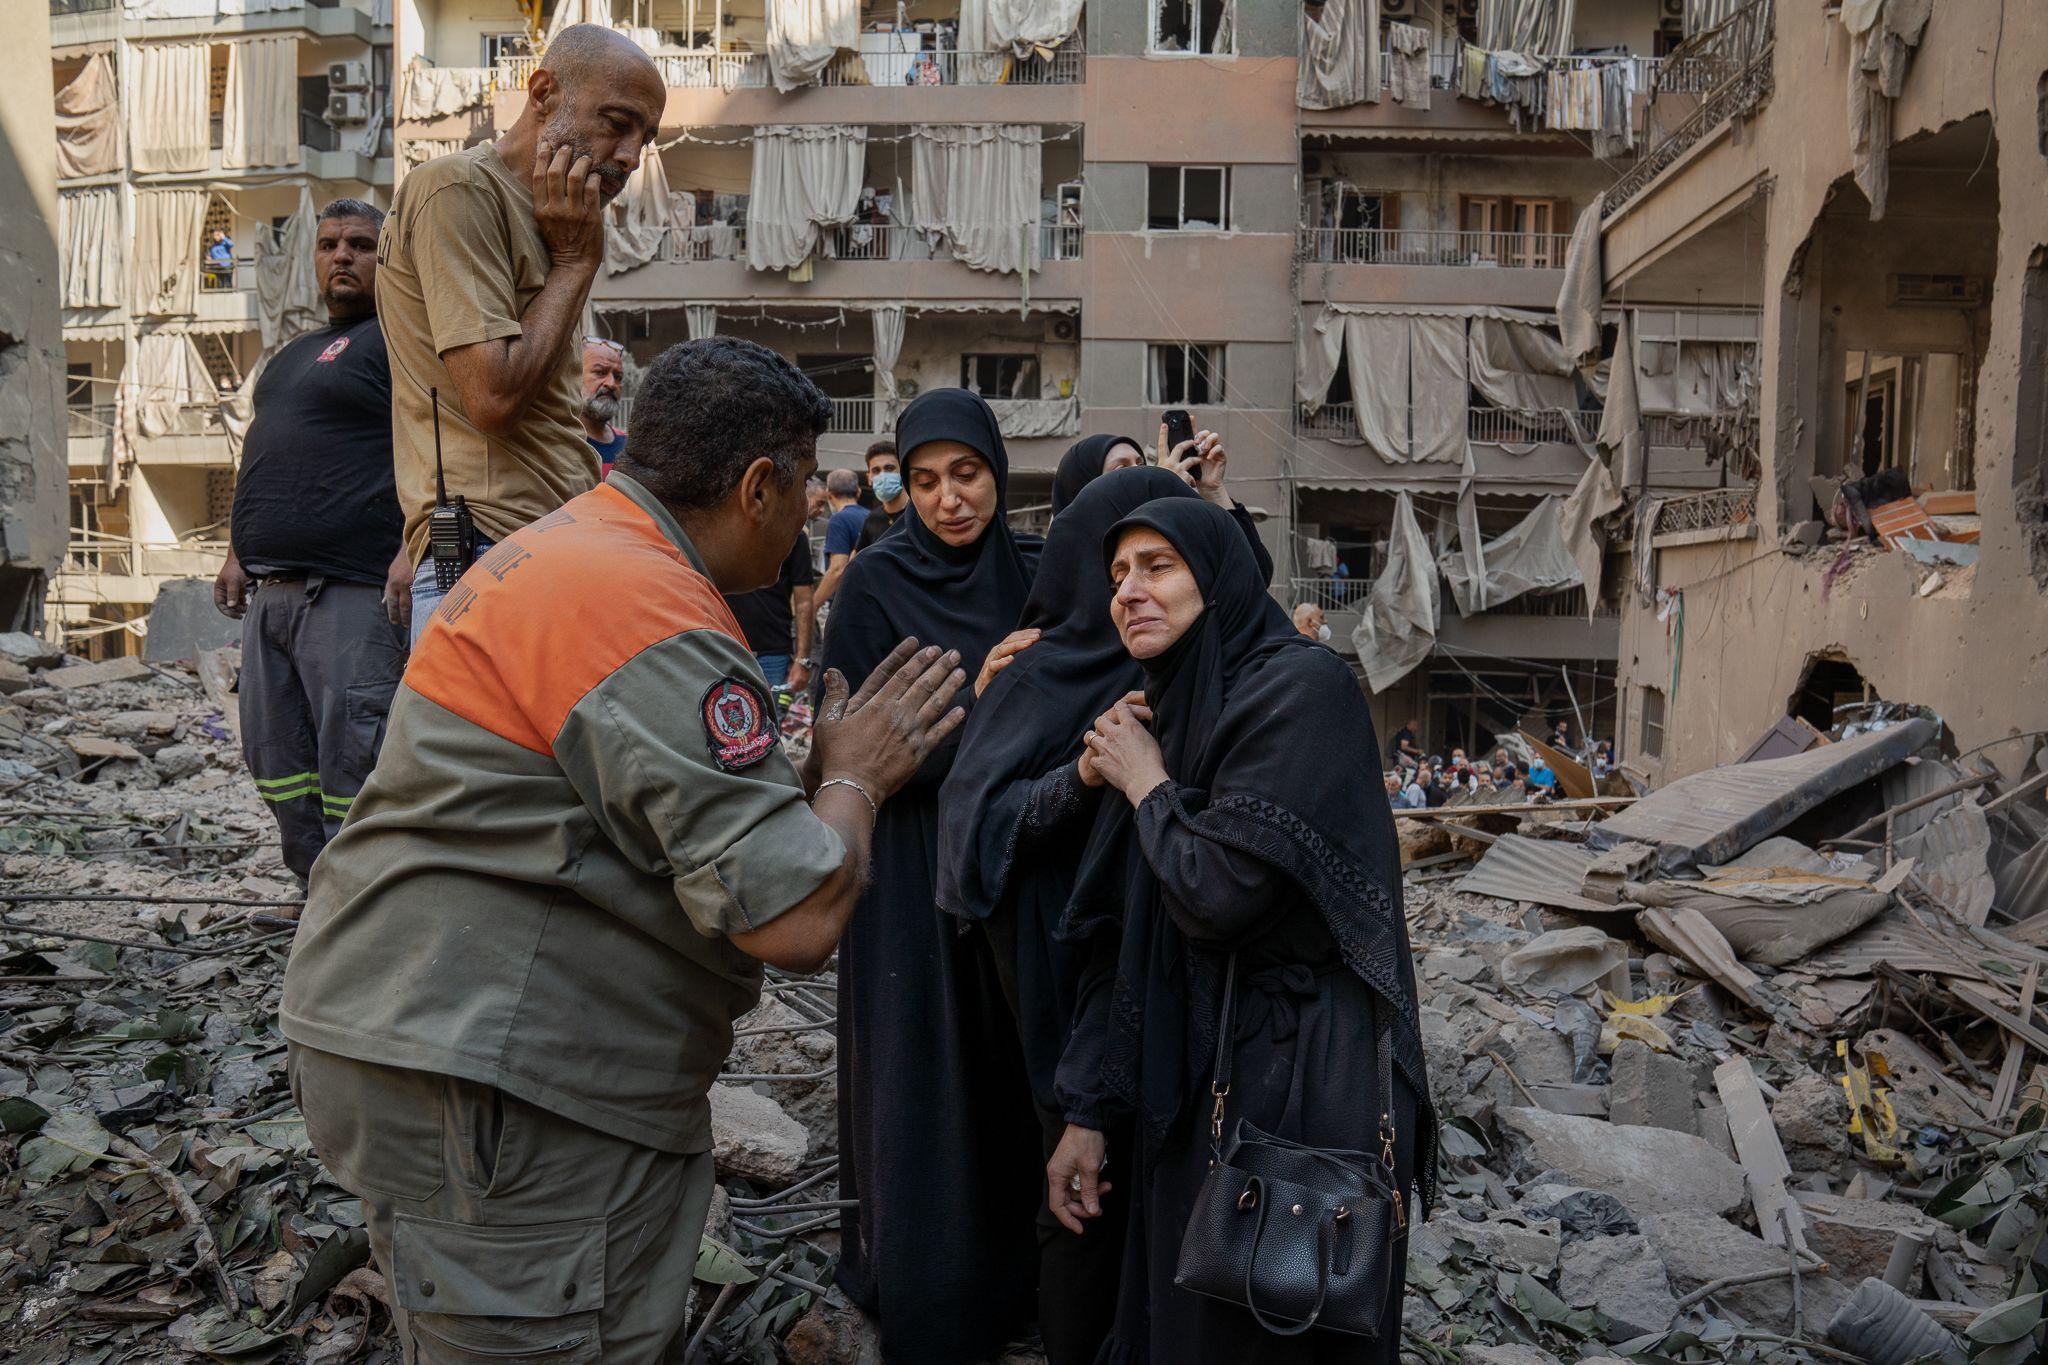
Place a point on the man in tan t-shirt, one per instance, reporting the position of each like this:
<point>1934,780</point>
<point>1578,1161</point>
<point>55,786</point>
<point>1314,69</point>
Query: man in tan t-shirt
<point>483,271</point>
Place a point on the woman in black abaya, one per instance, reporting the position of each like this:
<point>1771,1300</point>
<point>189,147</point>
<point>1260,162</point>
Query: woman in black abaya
<point>1198,463</point>
<point>937,1139</point>
<point>1013,816</point>
<point>1255,822</point>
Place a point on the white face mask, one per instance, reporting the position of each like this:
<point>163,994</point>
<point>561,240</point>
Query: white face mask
<point>1323,632</point>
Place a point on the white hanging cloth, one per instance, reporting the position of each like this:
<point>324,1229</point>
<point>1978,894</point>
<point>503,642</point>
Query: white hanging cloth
<point>1530,557</point>
<point>164,269</point>
<point>287,294</point>
<point>569,12</point>
<point>1579,293</point>
<point>260,115</point>
<point>94,245</point>
<point>994,31</point>
<point>1520,366</point>
<point>807,177</point>
<point>979,186</point>
<point>701,319</point>
<point>168,129</point>
<point>89,122</point>
<point>1397,629</point>
<point>164,375</point>
<point>640,218</point>
<point>805,35</point>
<point>888,323</point>
<point>431,92</point>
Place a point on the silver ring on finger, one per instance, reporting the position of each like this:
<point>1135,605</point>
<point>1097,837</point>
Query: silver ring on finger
<point>1074,1182</point>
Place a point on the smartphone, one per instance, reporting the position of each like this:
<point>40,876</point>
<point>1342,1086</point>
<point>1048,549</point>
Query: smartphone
<point>1179,428</point>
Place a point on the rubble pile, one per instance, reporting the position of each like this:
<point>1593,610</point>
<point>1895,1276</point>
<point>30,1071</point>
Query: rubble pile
<point>1751,1068</point>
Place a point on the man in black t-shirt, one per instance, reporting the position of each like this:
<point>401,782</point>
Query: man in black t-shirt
<point>777,621</point>
<point>316,573</point>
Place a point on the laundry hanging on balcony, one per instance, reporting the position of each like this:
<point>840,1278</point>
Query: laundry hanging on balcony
<point>1533,28</point>
<point>93,243</point>
<point>431,92</point>
<point>806,178</point>
<point>206,9</point>
<point>89,122</point>
<point>1531,556</point>
<point>805,35</point>
<point>163,271</point>
<point>641,218</point>
<point>287,294</point>
<point>567,12</point>
<point>1408,65</point>
<point>260,111</point>
<point>1883,35</point>
<point>1340,55</point>
<point>1397,628</point>
<point>978,186</point>
<point>994,32</point>
<point>167,106</point>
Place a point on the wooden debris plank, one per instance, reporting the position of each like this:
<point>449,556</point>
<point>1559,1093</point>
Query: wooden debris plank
<point>2015,1049</point>
<point>1693,937</point>
<point>1991,1009</point>
<point>1762,1156</point>
<point>1473,808</point>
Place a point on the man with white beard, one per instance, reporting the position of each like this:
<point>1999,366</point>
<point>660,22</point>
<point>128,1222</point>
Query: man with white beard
<point>604,370</point>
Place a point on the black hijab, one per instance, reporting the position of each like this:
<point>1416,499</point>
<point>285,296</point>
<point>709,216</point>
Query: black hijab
<point>1030,720</point>
<point>1082,465</point>
<point>1267,736</point>
<point>913,583</point>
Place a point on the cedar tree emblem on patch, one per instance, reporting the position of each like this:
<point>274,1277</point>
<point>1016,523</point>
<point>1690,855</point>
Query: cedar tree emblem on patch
<point>737,723</point>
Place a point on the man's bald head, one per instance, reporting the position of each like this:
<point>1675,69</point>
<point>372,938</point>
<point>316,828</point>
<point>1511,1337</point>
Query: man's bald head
<point>601,97</point>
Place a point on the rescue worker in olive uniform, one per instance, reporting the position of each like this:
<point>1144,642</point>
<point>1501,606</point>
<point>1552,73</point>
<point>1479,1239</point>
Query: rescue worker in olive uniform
<point>520,960</point>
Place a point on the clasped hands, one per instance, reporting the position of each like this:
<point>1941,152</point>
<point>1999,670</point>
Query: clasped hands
<point>1119,751</point>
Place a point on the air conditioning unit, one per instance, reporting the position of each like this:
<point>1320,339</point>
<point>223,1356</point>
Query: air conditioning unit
<point>1064,328</point>
<point>1674,9</point>
<point>1395,9</point>
<point>348,75</point>
<point>348,106</point>
<point>1937,291</point>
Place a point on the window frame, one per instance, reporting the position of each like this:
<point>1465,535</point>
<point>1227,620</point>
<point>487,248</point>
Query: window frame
<point>1152,47</point>
<point>1651,734</point>
<point>1033,359</point>
<point>492,46</point>
<point>1180,215</point>
<point>1214,362</point>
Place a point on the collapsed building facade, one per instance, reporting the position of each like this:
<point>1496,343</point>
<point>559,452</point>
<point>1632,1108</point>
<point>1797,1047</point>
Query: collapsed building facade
<point>1870,183</point>
<point>176,119</point>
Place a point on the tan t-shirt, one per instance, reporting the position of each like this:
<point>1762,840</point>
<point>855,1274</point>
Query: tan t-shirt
<point>458,263</point>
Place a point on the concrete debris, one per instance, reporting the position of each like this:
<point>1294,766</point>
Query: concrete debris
<point>1645,1168</point>
<point>752,1138</point>
<point>1698,1250</point>
<point>1650,1089</point>
<point>1621,1278</point>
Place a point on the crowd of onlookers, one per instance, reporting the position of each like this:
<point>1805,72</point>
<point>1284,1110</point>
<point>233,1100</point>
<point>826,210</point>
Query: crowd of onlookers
<point>1417,780</point>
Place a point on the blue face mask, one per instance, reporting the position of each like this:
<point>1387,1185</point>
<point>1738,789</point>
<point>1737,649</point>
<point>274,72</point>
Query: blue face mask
<point>888,486</point>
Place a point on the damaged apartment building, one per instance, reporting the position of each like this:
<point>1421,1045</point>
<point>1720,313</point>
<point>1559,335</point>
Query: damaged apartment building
<point>177,120</point>
<point>1252,209</point>
<point>1869,182</point>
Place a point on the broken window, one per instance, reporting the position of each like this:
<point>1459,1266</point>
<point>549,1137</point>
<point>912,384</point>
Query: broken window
<point>1652,711</point>
<point>1351,224</point>
<point>1000,376</point>
<point>1184,374</point>
<point>1910,412</point>
<point>1194,27</point>
<point>1188,198</point>
<point>2030,450</point>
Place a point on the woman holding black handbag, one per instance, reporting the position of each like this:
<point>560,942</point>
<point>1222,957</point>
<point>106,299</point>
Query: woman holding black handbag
<point>1250,1001</point>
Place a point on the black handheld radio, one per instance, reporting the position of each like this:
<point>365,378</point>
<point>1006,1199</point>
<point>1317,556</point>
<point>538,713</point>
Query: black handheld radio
<point>451,531</point>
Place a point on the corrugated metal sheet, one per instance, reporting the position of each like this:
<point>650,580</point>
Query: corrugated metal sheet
<point>1712,816</point>
<point>1546,871</point>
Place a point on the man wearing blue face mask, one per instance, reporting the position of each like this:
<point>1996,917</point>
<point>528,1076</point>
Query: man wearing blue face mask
<point>885,476</point>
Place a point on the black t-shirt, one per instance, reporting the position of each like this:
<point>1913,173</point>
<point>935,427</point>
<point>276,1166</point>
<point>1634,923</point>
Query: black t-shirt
<point>764,614</point>
<point>315,493</point>
<point>1401,736</point>
<point>878,524</point>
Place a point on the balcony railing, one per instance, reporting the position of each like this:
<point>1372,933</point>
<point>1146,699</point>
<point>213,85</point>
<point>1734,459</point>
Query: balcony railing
<point>1432,246</point>
<point>59,8</point>
<point>89,419</point>
<point>1506,426</point>
<point>705,242</point>
<point>1729,66</point>
<point>224,278</point>
<point>901,242</point>
<point>749,70</point>
<point>1330,593</point>
<point>1331,421</point>
<point>1566,602</point>
<point>854,416</point>
<point>1710,510</point>
<point>96,552</point>
<point>1443,68</point>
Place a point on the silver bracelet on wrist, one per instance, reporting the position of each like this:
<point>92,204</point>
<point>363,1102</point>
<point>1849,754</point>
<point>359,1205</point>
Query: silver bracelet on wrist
<point>873,809</point>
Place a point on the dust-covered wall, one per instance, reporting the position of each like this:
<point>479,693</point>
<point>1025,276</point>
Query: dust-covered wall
<point>32,453</point>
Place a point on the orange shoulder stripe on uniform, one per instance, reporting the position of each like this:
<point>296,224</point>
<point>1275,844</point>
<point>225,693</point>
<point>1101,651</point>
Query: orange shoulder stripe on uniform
<point>554,609</point>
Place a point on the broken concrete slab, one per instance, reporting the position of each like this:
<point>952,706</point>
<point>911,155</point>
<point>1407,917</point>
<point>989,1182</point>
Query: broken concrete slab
<point>1622,1278</point>
<point>14,678</point>
<point>92,675</point>
<point>751,1136</point>
<point>1711,816</point>
<point>1510,1354</point>
<point>1650,1089</point>
<point>1856,1236</point>
<point>29,651</point>
<point>1812,1118</point>
<point>1697,1250</point>
<point>1564,962</point>
<point>1647,1168</point>
<point>184,623</point>
<point>99,746</point>
<point>1530,1243</point>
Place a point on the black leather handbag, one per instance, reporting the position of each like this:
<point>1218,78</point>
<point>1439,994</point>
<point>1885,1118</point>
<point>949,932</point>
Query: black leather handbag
<point>1301,1236</point>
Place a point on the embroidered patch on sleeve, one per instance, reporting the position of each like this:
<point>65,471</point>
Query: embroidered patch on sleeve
<point>739,723</point>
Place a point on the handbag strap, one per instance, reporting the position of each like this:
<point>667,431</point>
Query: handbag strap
<point>1324,1252</point>
<point>1219,1066</point>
